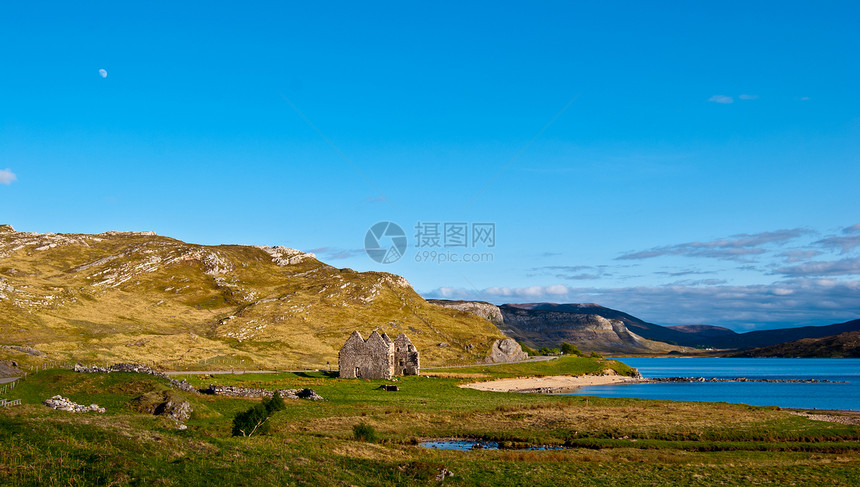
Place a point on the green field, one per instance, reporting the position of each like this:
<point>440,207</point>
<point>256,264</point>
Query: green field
<point>611,441</point>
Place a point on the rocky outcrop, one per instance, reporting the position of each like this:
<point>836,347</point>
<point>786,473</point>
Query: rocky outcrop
<point>550,327</point>
<point>9,368</point>
<point>488,311</point>
<point>506,350</point>
<point>589,332</point>
<point>61,403</point>
<point>27,350</point>
<point>284,256</point>
<point>167,404</point>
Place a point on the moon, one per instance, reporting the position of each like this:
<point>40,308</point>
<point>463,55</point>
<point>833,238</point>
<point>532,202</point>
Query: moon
<point>103,73</point>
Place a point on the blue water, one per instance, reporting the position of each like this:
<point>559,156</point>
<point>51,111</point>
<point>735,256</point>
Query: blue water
<point>466,445</point>
<point>809,396</point>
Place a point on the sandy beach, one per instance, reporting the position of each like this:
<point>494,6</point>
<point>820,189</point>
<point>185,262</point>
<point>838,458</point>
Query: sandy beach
<point>558,383</point>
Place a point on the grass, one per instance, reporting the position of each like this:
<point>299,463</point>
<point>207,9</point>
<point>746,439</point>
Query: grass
<point>559,366</point>
<point>612,441</point>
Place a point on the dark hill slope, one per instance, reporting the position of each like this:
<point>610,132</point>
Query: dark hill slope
<point>772,337</point>
<point>703,330</point>
<point>843,345</point>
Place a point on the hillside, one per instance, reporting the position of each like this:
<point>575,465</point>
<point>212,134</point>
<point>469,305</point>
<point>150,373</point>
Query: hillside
<point>549,328</point>
<point>843,345</point>
<point>126,296</point>
<point>766,338</point>
<point>698,335</point>
<point>642,328</point>
<point>596,327</point>
<point>703,330</point>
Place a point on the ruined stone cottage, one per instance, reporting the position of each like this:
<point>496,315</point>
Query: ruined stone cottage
<point>378,357</point>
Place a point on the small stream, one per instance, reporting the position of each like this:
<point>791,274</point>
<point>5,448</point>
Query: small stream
<point>467,445</point>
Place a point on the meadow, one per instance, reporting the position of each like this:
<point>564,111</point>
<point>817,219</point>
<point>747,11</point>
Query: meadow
<point>607,441</point>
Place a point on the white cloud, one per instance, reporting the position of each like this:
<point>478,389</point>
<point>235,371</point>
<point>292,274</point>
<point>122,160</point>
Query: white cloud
<point>7,177</point>
<point>721,99</point>
<point>845,244</point>
<point>842,267</point>
<point>748,97</point>
<point>798,255</point>
<point>557,289</point>
<point>736,247</point>
<point>530,292</point>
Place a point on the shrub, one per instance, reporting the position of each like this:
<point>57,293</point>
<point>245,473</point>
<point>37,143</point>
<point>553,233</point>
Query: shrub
<point>364,432</point>
<point>254,421</point>
<point>570,349</point>
<point>275,404</point>
<point>528,350</point>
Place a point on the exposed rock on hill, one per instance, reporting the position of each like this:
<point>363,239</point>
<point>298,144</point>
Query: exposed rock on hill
<point>9,368</point>
<point>163,403</point>
<point>485,310</point>
<point>506,350</point>
<point>589,332</point>
<point>139,297</point>
<point>641,328</point>
<point>549,328</point>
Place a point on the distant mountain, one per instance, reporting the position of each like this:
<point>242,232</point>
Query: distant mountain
<point>843,345</point>
<point>570,319</point>
<point>703,330</point>
<point>634,324</point>
<point>549,328</point>
<point>766,338</point>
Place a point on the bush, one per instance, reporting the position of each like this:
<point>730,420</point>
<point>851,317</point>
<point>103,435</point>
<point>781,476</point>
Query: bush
<point>528,350</point>
<point>569,349</point>
<point>364,432</point>
<point>275,404</point>
<point>254,421</point>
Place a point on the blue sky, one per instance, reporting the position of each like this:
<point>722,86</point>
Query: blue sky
<point>686,162</point>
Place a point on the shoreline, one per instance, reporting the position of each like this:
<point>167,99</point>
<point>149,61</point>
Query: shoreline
<point>548,384</point>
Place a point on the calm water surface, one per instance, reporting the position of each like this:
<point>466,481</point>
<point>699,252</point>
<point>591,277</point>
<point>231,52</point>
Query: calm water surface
<point>821,396</point>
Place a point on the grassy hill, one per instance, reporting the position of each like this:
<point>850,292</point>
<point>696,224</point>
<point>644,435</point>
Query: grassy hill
<point>124,296</point>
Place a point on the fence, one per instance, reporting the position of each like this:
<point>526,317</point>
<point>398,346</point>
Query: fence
<point>6,403</point>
